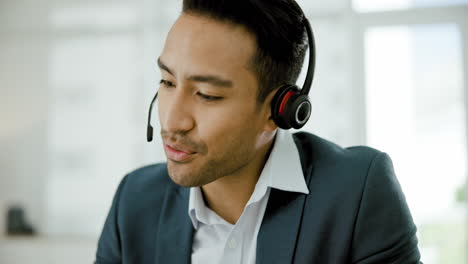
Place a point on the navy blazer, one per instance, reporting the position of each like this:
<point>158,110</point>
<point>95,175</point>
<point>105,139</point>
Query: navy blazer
<point>355,212</point>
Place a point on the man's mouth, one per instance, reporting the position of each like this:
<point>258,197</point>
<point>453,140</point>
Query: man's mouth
<point>178,153</point>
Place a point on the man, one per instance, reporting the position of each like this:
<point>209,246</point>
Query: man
<point>236,188</point>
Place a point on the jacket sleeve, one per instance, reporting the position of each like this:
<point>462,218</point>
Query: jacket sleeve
<point>109,245</point>
<point>384,230</point>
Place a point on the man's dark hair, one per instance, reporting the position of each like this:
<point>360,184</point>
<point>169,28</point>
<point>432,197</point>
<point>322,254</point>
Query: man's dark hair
<point>279,31</point>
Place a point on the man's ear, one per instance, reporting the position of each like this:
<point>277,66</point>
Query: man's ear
<point>270,124</point>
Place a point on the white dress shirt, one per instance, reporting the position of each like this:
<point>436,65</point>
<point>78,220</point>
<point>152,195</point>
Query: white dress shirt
<point>217,241</point>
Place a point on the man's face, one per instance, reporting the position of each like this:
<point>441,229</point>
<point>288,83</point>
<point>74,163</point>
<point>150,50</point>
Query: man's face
<point>211,123</point>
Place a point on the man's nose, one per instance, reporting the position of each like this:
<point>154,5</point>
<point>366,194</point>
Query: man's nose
<point>177,115</point>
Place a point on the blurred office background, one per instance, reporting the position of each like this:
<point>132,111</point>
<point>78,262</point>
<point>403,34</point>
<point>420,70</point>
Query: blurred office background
<point>77,77</point>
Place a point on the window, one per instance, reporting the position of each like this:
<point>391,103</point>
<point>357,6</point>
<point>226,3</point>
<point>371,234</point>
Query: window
<point>416,113</point>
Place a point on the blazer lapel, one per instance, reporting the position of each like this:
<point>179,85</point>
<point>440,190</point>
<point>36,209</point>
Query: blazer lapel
<point>175,230</point>
<point>276,241</point>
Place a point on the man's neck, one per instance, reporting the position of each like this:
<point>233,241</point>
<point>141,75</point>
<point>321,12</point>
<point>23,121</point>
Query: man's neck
<point>229,195</point>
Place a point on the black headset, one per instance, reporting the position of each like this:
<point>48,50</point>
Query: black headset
<point>290,107</point>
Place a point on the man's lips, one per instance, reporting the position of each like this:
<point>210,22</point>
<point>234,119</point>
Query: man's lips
<point>178,154</point>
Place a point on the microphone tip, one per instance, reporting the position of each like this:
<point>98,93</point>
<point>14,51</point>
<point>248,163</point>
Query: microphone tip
<point>149,133</point>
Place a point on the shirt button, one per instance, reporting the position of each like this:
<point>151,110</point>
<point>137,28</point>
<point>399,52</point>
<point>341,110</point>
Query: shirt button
<point>232,243</point>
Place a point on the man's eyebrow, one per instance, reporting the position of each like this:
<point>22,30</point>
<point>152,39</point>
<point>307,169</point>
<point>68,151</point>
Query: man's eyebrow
<point>211,79</point>
<point>163,66</point>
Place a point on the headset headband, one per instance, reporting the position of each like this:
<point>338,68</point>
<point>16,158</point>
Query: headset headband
<point>311,68</point>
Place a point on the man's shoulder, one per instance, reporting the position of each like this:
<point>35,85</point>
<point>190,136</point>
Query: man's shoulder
<point>354,195</point>
<point>344,170</point>
<point>321,152</point>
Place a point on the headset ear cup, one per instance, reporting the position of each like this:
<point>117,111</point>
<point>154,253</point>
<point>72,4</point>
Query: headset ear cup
<point>299,111</point>
<point>280,105</point>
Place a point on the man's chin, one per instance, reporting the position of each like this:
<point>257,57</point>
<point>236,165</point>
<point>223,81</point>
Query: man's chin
<point>188,178</point>
<point>181,176</point>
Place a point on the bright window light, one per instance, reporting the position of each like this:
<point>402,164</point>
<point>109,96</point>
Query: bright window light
<point>415,112</point>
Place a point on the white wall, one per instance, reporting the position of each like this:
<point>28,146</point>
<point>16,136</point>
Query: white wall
<point>24,100</point>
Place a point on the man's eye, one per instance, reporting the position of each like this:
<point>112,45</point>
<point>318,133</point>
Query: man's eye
<point>166,83</point>
<point>209,97</point>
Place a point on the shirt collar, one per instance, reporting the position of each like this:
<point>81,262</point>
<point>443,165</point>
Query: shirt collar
<point>284,165</point>
<point>282,171</point>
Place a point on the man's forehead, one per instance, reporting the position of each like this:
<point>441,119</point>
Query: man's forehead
<point>201,32</point>
<point>208,45</point>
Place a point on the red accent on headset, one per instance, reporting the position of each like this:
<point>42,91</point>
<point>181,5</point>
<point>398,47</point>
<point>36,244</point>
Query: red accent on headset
<point>285,100</point>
